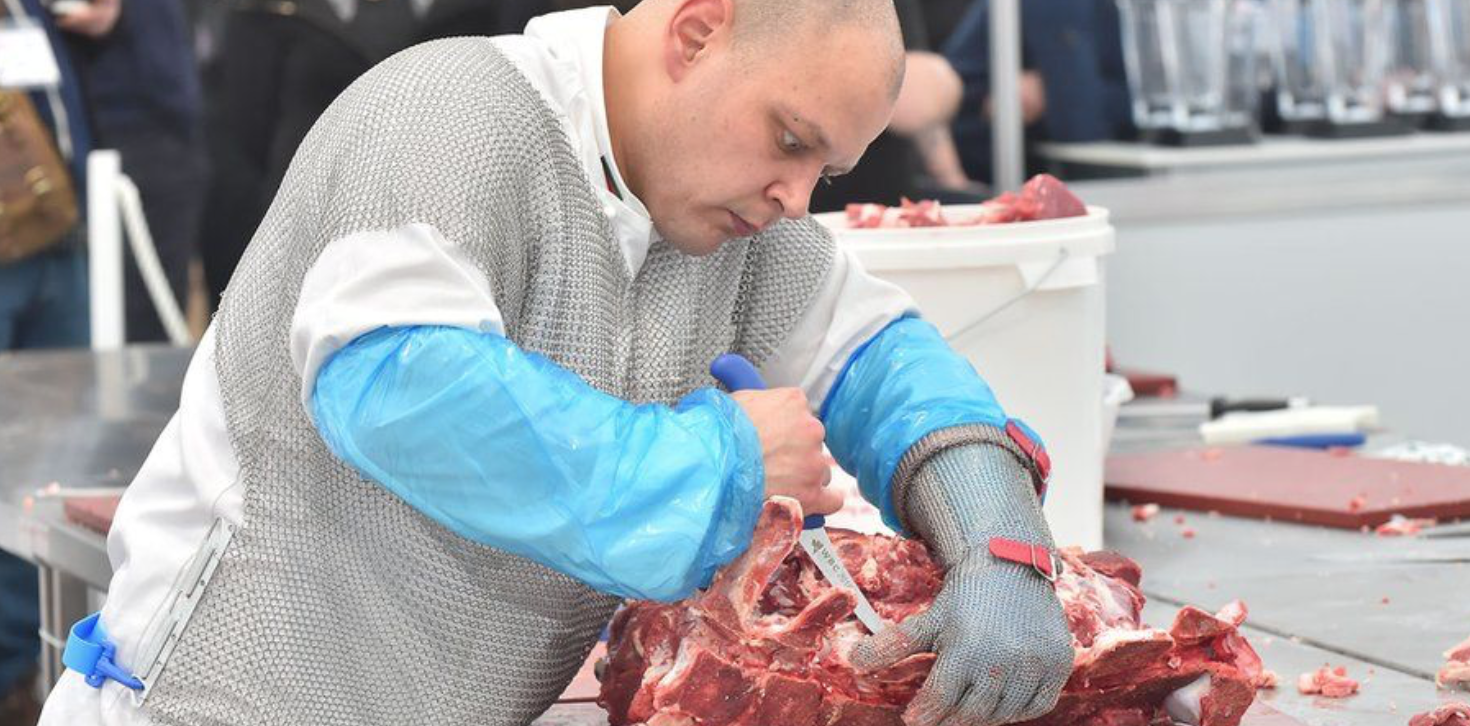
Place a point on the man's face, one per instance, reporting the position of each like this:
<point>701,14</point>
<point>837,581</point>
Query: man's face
<point>747,136</point>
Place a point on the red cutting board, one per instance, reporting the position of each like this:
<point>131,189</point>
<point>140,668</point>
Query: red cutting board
<point>1299,485</point>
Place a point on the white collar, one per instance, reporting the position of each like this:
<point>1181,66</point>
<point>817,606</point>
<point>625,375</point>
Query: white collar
<point>580,36</point>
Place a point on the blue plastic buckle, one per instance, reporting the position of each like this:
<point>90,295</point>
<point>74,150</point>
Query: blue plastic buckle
<point>90,652</point>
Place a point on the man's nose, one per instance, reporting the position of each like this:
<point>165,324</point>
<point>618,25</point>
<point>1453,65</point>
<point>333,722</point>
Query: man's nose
<point>794,196</point>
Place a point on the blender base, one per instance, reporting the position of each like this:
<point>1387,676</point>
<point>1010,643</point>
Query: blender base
<point>1369,129</point>
<point>1441,122</point>
<point>1193,139</point>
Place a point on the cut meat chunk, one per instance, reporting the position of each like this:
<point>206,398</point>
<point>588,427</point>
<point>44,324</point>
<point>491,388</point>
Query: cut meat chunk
<point>1450,714</point>
<point>1328,682</point>
<point>1401,526</point>
<point>865,216</point>
<point>1043,197</point>
<point>1456,670</point>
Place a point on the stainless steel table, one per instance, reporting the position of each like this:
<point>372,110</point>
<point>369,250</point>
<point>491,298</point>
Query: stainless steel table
<point>81,420</point>
<point>1316,596</point>
<point>1386,608</point>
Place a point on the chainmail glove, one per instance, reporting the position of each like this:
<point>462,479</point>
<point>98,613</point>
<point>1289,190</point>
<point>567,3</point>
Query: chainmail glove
<point>1002,643</point>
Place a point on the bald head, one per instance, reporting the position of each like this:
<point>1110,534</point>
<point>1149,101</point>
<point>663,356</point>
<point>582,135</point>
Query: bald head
<point>759,23</point>
<point>724,114</point>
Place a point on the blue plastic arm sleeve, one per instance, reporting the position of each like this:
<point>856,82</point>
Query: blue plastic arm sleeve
<point>902,385</point>
<point>507,449</point>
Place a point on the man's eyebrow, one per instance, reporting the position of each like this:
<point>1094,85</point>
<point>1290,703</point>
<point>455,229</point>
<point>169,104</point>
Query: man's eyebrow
<point>811,127</point>
<point>821,138</point>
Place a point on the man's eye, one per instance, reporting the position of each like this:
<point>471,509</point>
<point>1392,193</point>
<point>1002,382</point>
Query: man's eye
<point>789,142</point>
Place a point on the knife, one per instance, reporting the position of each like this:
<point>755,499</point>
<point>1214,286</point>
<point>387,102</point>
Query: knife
<point>739,375</point>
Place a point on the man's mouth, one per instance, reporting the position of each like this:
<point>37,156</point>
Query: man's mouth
<point>742,227</point>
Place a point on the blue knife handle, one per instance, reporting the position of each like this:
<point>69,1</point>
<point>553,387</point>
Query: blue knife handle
<point>737,373</point>
<point>1316,441</point>
<point>733,370</point>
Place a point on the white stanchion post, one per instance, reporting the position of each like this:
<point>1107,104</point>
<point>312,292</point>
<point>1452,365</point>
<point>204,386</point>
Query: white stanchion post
<point>1007,129</point>
<point>105,250</point>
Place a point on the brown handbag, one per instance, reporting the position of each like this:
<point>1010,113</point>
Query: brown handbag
<point>37,203</point>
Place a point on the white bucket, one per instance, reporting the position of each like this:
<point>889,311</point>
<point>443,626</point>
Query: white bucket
<point>1024,303</point>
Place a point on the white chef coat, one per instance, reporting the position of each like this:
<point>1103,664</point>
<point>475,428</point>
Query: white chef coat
<point>406,276</point>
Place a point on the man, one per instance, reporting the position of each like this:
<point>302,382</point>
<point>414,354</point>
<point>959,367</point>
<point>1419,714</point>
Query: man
<point>142,87</point>
<point>142,92</point>
<point>454,405</point>
<point>1073,86</point>
<point>916,156</point>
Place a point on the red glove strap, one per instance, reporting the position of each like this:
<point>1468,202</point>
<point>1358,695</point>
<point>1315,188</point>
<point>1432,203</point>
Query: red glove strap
<point>1033,449</point>
<point>1038,557</point>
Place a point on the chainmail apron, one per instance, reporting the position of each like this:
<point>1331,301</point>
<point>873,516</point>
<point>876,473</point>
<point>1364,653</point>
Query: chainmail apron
<point>335,602</point>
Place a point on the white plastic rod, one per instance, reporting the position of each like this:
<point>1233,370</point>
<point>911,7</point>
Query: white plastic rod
<point>1007,131</point>
<point>105,250</point>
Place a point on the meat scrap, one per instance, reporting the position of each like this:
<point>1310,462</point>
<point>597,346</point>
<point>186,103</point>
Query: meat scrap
<point>1328,682</point>
<point>1456,670</point>
<point>1145,512</point>
<point>769,642</point>
<point>1043,197</point>
<point>1401,526</point>
<point>1450,714</point>
<point>865,216</point>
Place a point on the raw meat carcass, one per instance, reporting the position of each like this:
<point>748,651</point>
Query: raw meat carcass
<point>1044,197</point>
<point>1456,670</point>
<point>769,643</point>
<point>1450,714</point>
<point>1328,682</point>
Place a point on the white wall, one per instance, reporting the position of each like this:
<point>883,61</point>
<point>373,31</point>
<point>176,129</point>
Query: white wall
<point>1364,305</point>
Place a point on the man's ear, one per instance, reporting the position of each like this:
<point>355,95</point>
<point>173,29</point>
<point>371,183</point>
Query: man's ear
<point>693,28</point>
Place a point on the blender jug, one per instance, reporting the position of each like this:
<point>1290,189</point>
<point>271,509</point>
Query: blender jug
<point>1450,40</point>
<point>1185,70</point>
<point>1331,59</point>
<point>1411,85</point>
<point>1300,98</point>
